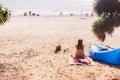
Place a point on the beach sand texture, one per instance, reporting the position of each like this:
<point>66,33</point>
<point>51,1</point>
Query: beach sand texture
<point>27,45</point>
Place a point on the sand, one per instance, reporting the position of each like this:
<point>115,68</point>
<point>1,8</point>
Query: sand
<point>27,45</point>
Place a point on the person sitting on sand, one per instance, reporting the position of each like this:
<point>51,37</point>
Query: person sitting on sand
<point>80,57</point>
<point>79,49</point>
<point>79,54</point>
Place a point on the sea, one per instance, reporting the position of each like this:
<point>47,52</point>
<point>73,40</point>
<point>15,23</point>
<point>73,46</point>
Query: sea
<point>49,7</point>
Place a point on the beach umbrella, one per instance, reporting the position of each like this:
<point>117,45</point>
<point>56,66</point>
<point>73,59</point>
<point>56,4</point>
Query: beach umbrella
<point>109,13</point>
<point>4,13</point>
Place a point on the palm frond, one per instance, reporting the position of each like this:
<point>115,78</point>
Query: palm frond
<point>109,11</point>
<point>107,7</point>
<point>1,19</point>
<point>3,14</point>
<point>105,26</point>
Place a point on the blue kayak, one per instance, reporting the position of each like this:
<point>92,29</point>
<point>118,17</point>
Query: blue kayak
<point>105,54</point>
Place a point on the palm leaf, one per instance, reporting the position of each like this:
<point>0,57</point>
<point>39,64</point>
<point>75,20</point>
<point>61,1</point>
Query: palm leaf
<point>105,26</point>
<point>1,19</point>
<point>109,11</point>
<point>3,14</point>
<point>107,7</point>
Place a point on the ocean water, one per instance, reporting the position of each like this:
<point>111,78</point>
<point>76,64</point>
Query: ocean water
<point>48,7</point>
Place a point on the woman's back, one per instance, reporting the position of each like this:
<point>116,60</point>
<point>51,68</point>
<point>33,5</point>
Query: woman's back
<point>79,52</point>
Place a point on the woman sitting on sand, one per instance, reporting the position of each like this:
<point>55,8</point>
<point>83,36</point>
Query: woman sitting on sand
<point>79,49</point>
<point>79,54</point>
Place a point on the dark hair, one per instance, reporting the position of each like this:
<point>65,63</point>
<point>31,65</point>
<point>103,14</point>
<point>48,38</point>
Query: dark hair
<point>80,44</point>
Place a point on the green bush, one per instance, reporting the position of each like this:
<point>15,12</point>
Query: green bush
<point>3,14</point>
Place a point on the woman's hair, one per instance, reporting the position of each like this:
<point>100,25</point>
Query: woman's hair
<point>80,44</point>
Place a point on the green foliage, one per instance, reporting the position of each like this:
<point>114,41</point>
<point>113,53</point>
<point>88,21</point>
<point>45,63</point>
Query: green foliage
<point>3,14</point>
<point>109,11</point>
<point>105,25</point>
<point>107,7</point>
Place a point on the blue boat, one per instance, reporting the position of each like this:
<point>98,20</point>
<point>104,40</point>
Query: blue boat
<point>105,54</point>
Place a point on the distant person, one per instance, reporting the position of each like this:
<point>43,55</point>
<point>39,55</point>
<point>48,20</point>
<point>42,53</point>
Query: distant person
<point>33,14</point>
<point>9,14</point>
<point>25,13</point>
<point>30,13</point>
<point>92,14</point>
<point>71,14</point>
<point>61,13</point>
<point>38,15</point>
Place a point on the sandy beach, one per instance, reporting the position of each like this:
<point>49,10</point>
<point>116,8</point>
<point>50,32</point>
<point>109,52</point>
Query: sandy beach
<point>27,45</point>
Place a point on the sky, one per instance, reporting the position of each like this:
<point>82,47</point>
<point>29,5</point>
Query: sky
<point>47,3</point>
<point>72,5</point>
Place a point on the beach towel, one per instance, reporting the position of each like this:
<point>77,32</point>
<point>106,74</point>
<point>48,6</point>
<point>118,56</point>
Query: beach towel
<point>78,61</point>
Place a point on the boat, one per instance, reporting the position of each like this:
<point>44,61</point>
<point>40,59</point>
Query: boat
<point>105,54</point>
